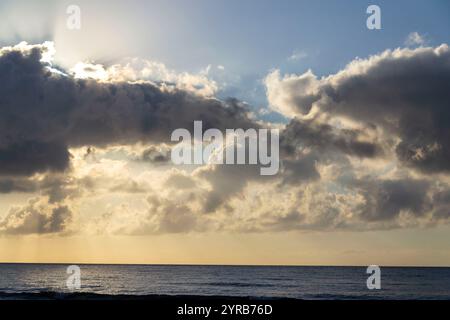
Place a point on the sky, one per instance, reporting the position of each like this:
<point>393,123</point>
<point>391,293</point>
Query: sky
<point>86,117</point>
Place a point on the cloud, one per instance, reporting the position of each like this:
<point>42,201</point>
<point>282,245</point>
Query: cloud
<point>297,55</point>
<point>17,184</point>
<point>415,39</point>
<point>300,134</point>
<point>404,92</point>
<point>225,182</point>
<point>56,187</point>
<point>161,216</point>
<point>135,70</point>
<point>301,170</point>
<point>441,202</point>
<point>292,94</point>
<point>36,217</point>
<point>355,154</point>
<point>180,180</point>
<point>387,199</point>
<point>28,157</point>
<point>156,154</point>
<point>311,193</point>
<point>44,112</point>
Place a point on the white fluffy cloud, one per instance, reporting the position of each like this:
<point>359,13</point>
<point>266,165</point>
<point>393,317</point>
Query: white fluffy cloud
<point>292,95</point>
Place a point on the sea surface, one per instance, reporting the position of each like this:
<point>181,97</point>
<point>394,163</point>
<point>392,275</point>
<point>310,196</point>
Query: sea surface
<point>34,281</point>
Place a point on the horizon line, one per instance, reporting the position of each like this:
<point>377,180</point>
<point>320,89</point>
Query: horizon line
<point>225,265</point>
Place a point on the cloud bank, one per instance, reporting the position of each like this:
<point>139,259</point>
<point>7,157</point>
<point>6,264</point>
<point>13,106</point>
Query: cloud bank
<point>44,112</point>
<point>364,149</point>
<point>403,92</point>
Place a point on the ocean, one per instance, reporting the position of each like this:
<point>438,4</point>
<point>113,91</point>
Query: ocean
<point>34,281</point>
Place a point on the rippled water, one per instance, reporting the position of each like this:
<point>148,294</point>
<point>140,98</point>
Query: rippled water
<point>293,282</point>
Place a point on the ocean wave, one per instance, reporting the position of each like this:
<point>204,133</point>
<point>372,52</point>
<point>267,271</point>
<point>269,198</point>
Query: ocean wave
<point>52,295</point>
<point>240,284</point>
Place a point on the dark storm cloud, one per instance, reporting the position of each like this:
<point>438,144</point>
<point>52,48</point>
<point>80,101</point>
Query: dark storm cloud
<point>386,199</point>
<point>301,170</point>
<point>28,157</point>
<point>414,90</point>
<point>306,133</point>
<point>441,201</point>
<point>43,113</point>
<point>406,92</point>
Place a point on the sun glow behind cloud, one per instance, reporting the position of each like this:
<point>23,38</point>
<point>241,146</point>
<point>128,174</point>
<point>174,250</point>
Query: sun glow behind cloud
<point>89,71</point>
